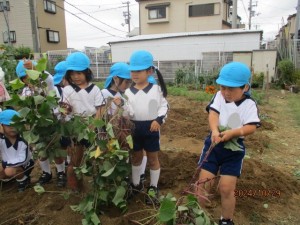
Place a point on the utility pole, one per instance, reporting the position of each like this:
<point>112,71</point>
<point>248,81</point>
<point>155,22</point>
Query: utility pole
<point>127,16</point>
<point>296,57</point>
<point>234,14</point>
<point>5,13</point>
<point>251,12</point>
<point>297,21</point>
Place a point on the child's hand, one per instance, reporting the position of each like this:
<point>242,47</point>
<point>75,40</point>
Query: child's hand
<point>227,135</point>
<point>118,101</point>
<point>155,126</point>
<point>216,137</point>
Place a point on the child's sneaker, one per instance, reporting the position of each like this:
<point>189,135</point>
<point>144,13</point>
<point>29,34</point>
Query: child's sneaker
<point>152,196</point>
<point>45,178</point>
<point>226,222</point>
<point>61,179</point>
<point>142,178</point>
<point>22,185</point>
<point>133,190</point>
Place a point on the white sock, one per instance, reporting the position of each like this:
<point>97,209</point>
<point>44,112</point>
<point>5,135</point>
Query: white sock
<point>154,177</point>
<point>143,165</point>
<point>68,159</point>
<point>136,175</point>
<point>24,178</point>
<point>60,167</point>
<point>45,165</point>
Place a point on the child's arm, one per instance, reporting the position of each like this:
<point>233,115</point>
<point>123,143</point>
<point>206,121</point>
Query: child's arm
<point>238,132</point>
<point>213,119</point>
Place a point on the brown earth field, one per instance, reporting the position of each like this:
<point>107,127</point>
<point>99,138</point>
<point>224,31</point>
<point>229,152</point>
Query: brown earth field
<point>270,170</point>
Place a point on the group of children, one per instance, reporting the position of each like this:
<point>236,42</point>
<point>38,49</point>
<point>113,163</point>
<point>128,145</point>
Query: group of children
<point>146,106</point>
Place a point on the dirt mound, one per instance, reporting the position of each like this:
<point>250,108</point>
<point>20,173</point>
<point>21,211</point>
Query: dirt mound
<point>266,192</point>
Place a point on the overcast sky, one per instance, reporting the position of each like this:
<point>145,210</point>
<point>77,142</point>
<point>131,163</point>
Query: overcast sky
<point>106,20</point>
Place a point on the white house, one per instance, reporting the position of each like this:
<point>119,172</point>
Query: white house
<point>187,46</point>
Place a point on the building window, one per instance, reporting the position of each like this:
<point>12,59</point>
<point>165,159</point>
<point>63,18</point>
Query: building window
<point>4,7</point>
<point>201,10</point>
<point>158,12</point>
<point>49,6</point>
<point>12,37</point>
<point>52,36</point>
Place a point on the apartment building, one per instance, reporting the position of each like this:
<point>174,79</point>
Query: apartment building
<point>38,24</point>
<point>166,16</point>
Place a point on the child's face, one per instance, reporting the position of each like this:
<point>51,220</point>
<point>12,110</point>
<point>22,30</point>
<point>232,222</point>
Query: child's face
<point>78,78</point>
<point>232,94</point>
<point>9,131</point>
<point>141,76</point>
<point>121,84</point>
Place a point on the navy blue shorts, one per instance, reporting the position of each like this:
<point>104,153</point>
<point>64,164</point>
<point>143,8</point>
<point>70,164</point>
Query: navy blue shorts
<point>143,138</point>
<point>28,167</point>
<point>221,159</point>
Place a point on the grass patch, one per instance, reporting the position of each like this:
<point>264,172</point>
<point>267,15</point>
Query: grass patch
<point>201,96</point>
<point>294,104</point>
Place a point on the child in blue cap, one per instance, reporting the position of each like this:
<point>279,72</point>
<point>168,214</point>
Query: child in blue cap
<point>85,99</point>
<point>16,155</point>
<point>59,77</point>
<point>147,108</point>
<point>115,85</point>
<point>233,114</point>
<point>21,68</point>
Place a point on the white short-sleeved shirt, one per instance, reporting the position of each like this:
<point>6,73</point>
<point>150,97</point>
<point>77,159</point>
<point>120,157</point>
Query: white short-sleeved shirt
<point>147,104</point>
<point>245,108</point>
<point>107,93</point>
<point>14,155</point>
<point>83,101</point>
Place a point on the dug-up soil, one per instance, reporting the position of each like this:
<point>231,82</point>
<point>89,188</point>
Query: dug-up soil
<point>270,170</point>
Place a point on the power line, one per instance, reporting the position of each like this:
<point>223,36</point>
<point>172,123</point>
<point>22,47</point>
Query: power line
<point>102,10</point>
<point>88,22</point>
<point>94,17</point>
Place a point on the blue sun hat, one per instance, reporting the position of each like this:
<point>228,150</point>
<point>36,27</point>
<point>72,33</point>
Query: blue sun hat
<point>7,115</point>
<point>140,60</point>
<point>60,71</point>
<point>234,74</point>
<point>20,69</point>
<point>77,61</point>
<point>119,69</point>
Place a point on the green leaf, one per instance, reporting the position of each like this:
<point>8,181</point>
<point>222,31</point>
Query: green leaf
<point>109,172</point>
<point>129,141</point>
<point>103,195</point>
<point>24,112</point>
<point>109,129</point>
<point>233,145</point>
<point>33,74</point>
<point>200,220</point>
<point>39,189</point>
<point>30,137</point>
<point>167,210</point>
<point>16,84</point>
<point>42,64</point>
<point>119,196</point>
<point>38,99</point>
<point>95,219</point>
<point>182,208</point>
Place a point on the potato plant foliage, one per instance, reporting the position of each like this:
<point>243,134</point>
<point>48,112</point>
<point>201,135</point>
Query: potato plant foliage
<point>105,162</point>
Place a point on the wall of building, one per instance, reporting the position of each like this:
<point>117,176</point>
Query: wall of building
<point>54,22</point>
<point>189,47</point>
<point>19,21</point>
<point>178,18</point>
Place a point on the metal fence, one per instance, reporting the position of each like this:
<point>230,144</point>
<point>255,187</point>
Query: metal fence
<point>101,63</point>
